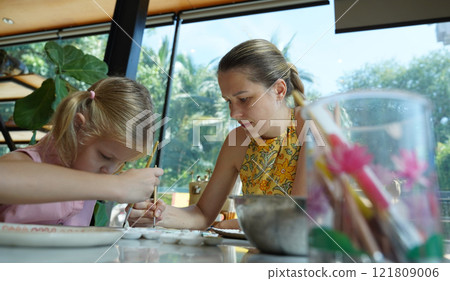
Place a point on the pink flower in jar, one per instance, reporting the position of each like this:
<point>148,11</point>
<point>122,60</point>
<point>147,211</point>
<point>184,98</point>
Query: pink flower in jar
<point>385,175</point>
<point>410,168</point>
<point>346,158</point>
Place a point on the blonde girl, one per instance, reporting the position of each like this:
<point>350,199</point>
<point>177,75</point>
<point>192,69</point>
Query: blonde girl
<point>58,180</point>
<point>264,151</point>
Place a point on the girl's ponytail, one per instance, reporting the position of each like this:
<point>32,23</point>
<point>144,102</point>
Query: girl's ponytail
<point>64,129</point>
<point>297,84</point>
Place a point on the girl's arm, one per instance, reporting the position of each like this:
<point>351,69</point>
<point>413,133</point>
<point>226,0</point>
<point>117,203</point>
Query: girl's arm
<point>299,187</point>
<point>202,214</point>
<point>24,181</point>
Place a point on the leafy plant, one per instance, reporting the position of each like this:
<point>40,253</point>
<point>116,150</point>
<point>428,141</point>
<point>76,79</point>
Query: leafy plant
<point>443,164</point>
<point>34,111</point>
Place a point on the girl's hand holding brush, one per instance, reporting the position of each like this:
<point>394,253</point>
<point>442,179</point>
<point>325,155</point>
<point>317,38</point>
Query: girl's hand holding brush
<point>137,185</point>
<point>148,180</point>
<point>144,212</point>
<point>129,208</point>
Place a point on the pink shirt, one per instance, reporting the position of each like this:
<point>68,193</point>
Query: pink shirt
<point>72,213</point>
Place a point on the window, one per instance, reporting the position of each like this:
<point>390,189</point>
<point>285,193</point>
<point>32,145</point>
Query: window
<point>329,63</point>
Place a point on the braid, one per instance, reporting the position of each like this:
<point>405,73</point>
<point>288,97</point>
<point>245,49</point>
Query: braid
<point>64,131</point>
<point>297,84</point>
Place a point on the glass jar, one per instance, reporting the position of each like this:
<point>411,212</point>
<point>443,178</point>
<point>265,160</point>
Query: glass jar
<point>372,186</point>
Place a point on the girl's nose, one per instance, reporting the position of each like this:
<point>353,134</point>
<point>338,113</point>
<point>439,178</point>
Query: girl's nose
<point>103,170</point>
<point>108,169</point>
<point>235,112</point>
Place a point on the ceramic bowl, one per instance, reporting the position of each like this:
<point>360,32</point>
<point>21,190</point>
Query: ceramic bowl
<point>274,224</point>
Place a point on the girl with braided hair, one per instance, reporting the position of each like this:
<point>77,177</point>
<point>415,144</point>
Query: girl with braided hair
<point>255,79</point>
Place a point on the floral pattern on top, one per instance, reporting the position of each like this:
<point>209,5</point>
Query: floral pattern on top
<point>270,169</point>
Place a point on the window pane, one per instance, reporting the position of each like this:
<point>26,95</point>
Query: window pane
<point>328,63</point>
<point>153,71</point>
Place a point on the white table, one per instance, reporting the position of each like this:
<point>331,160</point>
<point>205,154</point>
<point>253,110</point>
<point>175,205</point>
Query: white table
<point>153,251</point>
<point>142,251</point>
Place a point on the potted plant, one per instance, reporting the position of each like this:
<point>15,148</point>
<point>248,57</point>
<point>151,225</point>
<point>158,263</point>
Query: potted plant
<point>34,111</point>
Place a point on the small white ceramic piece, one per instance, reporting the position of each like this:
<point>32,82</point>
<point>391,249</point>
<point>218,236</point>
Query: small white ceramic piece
<point>132,233</point>
<point>191,238</point>
<point>152,234</point>
<point>170,237</point>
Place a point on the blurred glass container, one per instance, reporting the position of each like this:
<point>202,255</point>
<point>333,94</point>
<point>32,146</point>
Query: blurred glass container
<point>274,224</point>
<point>378,159</point>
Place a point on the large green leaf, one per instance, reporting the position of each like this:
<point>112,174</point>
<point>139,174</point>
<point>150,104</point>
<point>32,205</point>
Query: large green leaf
<point>71,54</point>
<point>73,62</point>
<point>35,110</point>
<point>60,90</point>
<point>88,69</point>
<point>62,55</point>
<point>56,54</point>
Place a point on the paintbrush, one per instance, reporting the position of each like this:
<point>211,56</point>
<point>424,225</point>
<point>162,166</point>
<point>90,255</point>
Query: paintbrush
<point>155,192</point>
<point>146,166</point>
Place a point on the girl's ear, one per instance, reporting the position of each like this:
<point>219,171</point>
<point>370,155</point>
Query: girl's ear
<point>280,89</point>
<point>78,121</point>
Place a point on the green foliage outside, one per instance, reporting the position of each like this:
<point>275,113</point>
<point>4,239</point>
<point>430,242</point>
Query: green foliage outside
<point>428,75</point>
<point>443,164</point>
<point>195,95</point>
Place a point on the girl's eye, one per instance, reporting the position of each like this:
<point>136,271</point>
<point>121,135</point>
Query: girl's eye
<point>105,157</point>
<point>243,99</point>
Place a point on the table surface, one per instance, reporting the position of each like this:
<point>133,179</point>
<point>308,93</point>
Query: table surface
<point>143,250</point>
<point>153,251</point>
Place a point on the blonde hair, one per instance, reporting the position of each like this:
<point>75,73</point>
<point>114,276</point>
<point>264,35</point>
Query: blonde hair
<point>117,100</point>
<point>263,63</point>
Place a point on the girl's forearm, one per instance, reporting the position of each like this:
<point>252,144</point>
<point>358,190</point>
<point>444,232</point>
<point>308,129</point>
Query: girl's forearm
<point>24,182</point>
<point>184,218</point>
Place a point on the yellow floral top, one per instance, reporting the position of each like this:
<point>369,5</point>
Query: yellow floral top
<point>270,169</point>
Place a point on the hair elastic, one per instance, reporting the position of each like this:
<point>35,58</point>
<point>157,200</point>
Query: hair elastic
<point>92,95</point>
